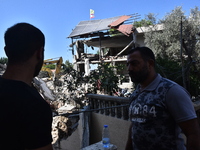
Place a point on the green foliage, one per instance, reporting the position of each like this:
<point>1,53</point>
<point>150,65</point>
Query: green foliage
<point>166,43</point>
<point>108,78</point>
<point>67,66</point>
<point>169,69</point>
<point>104,79</point>
<point>142,23</point>
<point>74,79</point>
<point>74,83</point>
<point>3,60</point>
<point>152,18</point>
<point>114,32</point>
<point>50,66</point>
<point>194,83</point>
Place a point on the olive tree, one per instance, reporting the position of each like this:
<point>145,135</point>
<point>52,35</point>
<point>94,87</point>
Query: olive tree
<point>178,41</point>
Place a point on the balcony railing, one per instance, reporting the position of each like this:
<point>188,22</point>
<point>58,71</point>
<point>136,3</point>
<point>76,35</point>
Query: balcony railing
<point>109,105</point>
<point>118,106</point>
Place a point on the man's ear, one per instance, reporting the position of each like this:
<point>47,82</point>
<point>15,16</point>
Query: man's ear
<point>151,62</point>
<point>5,49</point>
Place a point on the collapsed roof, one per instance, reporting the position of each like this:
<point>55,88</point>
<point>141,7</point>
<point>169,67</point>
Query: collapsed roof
<point>111,32</point>
<point>113,42</point>
<point>92,28</point>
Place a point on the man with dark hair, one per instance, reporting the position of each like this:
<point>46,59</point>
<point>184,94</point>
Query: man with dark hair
<point>159,108</point>
<point>26,118</point>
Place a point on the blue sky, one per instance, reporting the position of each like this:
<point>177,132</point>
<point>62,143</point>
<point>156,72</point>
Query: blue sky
<point>57,18</point>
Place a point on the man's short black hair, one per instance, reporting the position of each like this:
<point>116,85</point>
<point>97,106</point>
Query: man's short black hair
<point>146,53</point>
<point>21,41</point>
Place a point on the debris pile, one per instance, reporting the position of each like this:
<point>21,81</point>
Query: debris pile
<point>2,68</point>
<point>59,125</point>
<point>63,103</point>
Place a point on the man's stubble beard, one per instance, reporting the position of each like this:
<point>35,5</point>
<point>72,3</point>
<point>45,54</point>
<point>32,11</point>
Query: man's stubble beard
<point>38,67</point>
<point>141,75</point>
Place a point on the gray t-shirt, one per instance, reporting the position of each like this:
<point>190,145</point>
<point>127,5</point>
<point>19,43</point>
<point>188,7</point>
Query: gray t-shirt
<point>155,112</point>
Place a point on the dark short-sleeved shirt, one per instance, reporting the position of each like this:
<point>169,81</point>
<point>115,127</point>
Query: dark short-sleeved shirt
<point>155,112</point>
<point>26,117</point>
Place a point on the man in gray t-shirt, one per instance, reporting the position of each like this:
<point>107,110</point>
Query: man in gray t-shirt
<point>159,108</point>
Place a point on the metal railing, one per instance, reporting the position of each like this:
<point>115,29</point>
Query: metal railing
<point>118,106</point>
<point>109,105</point>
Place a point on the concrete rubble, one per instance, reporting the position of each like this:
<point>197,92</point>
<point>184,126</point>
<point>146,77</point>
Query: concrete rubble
<point>58,96</point>
<point>2,68</point>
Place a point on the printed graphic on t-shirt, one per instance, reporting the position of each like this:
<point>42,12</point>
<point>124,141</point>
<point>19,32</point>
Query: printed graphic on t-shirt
<point>139,112</point>
<point>152,123</point>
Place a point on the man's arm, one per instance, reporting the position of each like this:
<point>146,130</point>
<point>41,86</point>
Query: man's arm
<point>192,131</point>
<point>180,106</point>
<point>129,145</point>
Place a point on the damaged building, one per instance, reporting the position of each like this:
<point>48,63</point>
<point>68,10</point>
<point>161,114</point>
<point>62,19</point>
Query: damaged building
<point>113,37</point>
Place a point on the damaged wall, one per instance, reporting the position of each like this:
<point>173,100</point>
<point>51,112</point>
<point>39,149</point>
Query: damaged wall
<point>116,127</point>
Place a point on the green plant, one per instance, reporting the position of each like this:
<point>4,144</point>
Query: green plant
<point>142,23</point>
<point>50,66</point>
<point>106,78</point>
<point>171,69</point>
<point>3,60</point>
<point>114,32</point>
<point>178,42</point>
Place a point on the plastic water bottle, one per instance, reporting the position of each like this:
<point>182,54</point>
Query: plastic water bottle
<point>105,137</point>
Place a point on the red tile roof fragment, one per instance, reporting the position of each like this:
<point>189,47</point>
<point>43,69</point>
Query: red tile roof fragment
<point>119,21</point>
<point>126,29</point>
